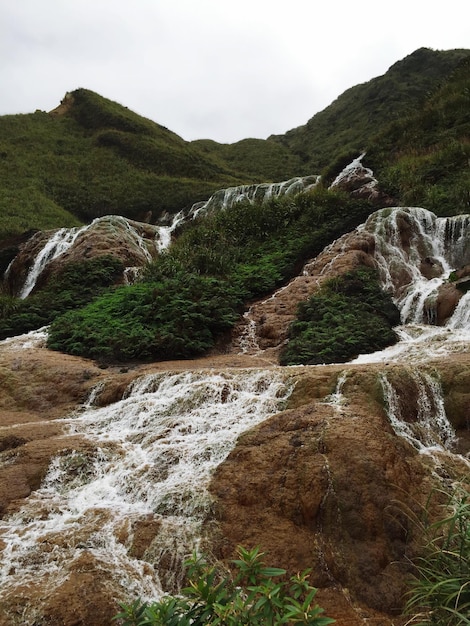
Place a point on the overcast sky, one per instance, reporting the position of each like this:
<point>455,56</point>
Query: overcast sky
<point>218,69</point>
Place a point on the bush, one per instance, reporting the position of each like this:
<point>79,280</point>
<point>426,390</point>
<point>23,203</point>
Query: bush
<point>350,315</point>
<point>253,596</point>
<point>177,318</point>
<point>440,593</point>
<point>75,286</point>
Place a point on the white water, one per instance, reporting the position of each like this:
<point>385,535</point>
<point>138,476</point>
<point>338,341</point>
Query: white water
<point>225,199</point>
<point>150,456</point>
<point>58,243</point>
<point>408,242</point>
<point>427,426</point>
<point>149,460</point>
<point>416,253</point>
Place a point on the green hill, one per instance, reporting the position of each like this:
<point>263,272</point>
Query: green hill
<point>350,122</point>
<point>423,157</point>
<point>91,157</point>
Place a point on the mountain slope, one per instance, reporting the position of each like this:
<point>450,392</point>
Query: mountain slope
<point>349,123</point>
<point>91,157</point>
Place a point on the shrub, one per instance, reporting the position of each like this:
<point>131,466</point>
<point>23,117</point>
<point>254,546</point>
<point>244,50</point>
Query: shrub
<point>255,595</point>
<point>177,318</point>
<point>350,315</point>
<point>440,590</point>
<point>76,285</point>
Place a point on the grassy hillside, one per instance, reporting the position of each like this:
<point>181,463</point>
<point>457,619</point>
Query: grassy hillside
<point>92,157</point>
<point>423,157</point>
<point>268,160</point>
<point>351,121</point>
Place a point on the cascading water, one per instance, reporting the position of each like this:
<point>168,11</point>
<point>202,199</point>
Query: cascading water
<point>424,424</point>
<point>58,243</point>
<point>147,460</point>
<point>416,253</point>
<point>111,227</point>
<point>225,199</point>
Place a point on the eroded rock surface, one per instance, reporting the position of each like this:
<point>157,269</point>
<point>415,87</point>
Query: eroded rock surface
<point>133,243</point>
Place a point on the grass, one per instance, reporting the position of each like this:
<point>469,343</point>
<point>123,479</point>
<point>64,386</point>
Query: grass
<point>440,589</point>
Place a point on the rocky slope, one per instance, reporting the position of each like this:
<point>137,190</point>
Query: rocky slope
<point>326,483</point>
<point>331,480</point>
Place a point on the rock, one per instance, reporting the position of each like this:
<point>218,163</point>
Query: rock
<point>133,243</point>
<point>329,487</point>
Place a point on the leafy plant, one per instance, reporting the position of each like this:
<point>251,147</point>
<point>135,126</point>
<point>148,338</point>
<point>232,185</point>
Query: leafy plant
<point>75,286</point>
<point>350,315</point>
<point>440,590</point>
<point>255,595</point>
<point>177,318</point>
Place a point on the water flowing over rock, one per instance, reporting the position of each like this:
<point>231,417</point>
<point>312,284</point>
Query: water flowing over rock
<point>422,260</point>
<point>110,478</point>
<point>225,199</point>
<point>134,243</point>
<point>359,181</point>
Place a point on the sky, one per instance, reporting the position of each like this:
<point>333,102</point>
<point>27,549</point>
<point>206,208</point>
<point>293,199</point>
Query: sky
<point>214,69</point>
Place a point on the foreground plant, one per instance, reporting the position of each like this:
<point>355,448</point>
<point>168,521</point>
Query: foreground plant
<point>255,595</point>
<point>440,593</point>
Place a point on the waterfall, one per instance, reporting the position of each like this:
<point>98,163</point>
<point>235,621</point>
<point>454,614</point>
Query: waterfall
<point>58,243</point>
<point>225,199</point>
<point>416,412</point>
<point>146,461</point>
<point>113,227</point>
<point>416,253</point>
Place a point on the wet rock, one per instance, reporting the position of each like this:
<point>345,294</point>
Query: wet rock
<point>133,243</point>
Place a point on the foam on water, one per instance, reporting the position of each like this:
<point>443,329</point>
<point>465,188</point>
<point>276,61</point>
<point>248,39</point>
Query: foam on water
<point>149,458</point>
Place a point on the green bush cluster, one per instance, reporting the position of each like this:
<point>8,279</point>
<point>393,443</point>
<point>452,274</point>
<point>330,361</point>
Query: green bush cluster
<point>350,315</point>
<point>178,318</point>
<point>76,285</point>
<point>256,594</point>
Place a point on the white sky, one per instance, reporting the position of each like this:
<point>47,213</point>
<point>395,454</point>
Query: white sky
<point>218,69</point>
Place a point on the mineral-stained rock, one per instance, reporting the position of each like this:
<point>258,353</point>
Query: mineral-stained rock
<point>133,243</point>
<point>328,486</point>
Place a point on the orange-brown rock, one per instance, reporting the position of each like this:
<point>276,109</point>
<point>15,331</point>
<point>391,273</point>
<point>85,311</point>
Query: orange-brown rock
<point>133,243</point>
<point>329,487</point>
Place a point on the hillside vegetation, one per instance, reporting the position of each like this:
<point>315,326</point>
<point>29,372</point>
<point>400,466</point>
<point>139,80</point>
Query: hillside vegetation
<point>356,116</point>
<point>92,156</point>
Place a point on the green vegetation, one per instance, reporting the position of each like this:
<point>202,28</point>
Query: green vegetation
<point>255,595</point>
<point>78,284</point>
<point>192,295</point>
<point>423,157</point>
<point>353,119</point>
<point>267,160</point>
<point>440,593</point>
<point>175,319</point>
<point>94,157</point>
<point>350,315</point>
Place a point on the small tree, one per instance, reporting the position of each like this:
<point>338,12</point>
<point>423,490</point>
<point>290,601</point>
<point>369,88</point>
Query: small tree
<point>255,595</point>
